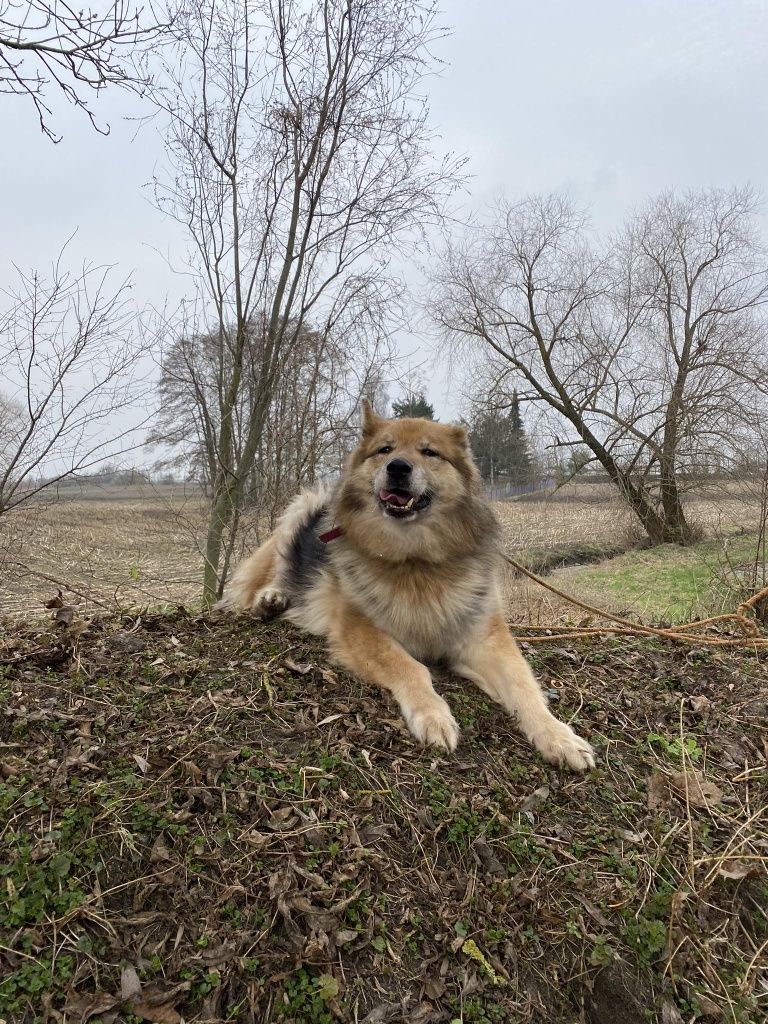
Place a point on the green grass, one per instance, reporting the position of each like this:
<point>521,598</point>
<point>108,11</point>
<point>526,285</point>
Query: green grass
<point>666,583</point>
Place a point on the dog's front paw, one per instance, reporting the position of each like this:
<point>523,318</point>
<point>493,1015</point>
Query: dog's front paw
<point>558,743</point>
<point>433,723</point>
<point>269,603</point>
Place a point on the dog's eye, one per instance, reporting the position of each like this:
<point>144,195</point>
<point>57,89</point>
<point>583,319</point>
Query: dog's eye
<point>385,450</point>
<point>430,453</point>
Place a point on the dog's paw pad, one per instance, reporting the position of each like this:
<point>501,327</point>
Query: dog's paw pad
<point>269,603</point>
<point>434,725</point>
<point>559,744</point>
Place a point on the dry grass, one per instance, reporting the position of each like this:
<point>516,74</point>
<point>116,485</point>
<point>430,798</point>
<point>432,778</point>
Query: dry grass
<point>582,525</point>
<point>108,552</point>
<point>134,547</point>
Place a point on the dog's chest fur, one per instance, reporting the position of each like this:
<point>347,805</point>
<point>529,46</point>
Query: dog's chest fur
<point>429,609</point>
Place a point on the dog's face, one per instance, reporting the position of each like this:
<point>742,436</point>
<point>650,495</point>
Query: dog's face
<point>408,476</point>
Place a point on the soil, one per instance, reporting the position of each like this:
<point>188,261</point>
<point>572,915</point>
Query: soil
<point>203,820</point>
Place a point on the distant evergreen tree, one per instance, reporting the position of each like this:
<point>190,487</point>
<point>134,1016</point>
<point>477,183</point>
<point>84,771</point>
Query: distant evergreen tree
<point>413,406</point>
<point>500,445</point>
<point>519,463</point>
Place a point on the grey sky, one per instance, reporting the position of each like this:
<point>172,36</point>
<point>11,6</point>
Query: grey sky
<point>612,101</point>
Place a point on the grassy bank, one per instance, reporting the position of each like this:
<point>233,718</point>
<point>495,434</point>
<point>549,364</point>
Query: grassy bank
<point>668,583</point>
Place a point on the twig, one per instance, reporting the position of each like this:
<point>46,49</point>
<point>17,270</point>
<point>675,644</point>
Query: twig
<point>624,627</point>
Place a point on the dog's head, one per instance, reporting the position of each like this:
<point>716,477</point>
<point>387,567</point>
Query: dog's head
<point>409,483</point>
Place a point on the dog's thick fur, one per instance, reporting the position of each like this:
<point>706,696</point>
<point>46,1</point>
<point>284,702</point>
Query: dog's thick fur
<point>400,585</point>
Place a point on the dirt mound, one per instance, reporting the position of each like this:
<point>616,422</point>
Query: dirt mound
<point>201,819</point>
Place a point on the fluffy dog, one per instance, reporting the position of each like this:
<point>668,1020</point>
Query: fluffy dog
<point>398,567</point>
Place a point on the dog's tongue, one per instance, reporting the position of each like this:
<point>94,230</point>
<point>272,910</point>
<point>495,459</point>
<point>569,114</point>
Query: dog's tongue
<point>393,498</point>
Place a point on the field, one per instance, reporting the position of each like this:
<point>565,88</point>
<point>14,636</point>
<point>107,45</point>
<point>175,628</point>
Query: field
<point>137,547</point>
<point>127,548</point>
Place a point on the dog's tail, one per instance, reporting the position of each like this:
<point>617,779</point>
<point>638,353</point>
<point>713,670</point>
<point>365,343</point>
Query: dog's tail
<point>270,566</point>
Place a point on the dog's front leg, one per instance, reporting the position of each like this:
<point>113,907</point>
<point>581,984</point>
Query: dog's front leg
<point>493,661</point>
<point>375,656</point>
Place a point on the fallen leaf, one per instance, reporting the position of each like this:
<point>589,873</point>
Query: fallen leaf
<point>739,869</point>
<point>142,762</point>
<point>434,987</point>
<point>219,955</point>
<point>157,1003</point>
<point>701,704</point>
<point>160,851</point>
<point>658,792</point>
<point>538,796</point>
<point>64,616</point>
<point>130,986</point>
<point>90,1004</point>
<point>630,837</point>
<point>692,785</point>
<point>163,1014</point>
<point>282,819</point>
<point>708,1006</point>
<point>302,670</point>
<point>489,861</point>
<point>594,912</point>
<point>329,719</point>
<point>381,1013</point>
<point>670,1013</point>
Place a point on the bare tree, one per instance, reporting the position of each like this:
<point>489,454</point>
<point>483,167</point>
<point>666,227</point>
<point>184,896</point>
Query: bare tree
<point>71,357</point>
<point>302,165</point>
<point>48,44</point>
<point>648,351</point>
<point>309,428</point>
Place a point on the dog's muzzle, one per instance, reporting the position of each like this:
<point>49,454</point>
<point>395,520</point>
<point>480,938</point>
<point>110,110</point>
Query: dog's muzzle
<point>401,504</point>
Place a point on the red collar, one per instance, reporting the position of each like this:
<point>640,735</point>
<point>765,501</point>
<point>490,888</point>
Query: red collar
<point>330,535</point>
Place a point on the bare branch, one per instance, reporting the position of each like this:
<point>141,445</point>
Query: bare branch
<point>47,44</point>
<point>651,349</point>
<point>73,378</point>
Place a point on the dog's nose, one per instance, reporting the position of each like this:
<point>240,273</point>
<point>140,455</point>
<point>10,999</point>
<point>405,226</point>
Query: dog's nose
<point>399,468</point>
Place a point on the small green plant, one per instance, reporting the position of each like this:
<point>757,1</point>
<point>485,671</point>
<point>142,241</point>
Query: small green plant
<point>20,991</point>
<point>476,1010</point>
<point>673,748</point>
<point>305,998</point>
<point>471,949</point>
<point>647,936</point>
<point>602,952</point>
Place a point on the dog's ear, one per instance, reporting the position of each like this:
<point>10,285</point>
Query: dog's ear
<point>458,434</point>
<point>370,420</point>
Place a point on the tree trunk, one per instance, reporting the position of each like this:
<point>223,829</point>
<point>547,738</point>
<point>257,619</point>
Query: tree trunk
<point>219,519</point>
<point>636,495</point>
<point>677,530</point>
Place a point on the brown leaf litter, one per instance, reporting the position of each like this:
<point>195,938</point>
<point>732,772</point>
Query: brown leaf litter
<point>204,821</point>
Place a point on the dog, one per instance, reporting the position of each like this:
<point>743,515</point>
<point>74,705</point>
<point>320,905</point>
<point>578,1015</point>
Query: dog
<point>398,567</point>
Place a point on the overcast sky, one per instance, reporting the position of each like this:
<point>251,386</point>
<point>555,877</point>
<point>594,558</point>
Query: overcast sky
<point>612,100</point>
